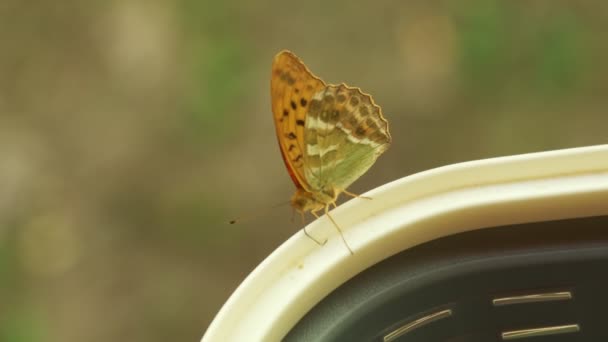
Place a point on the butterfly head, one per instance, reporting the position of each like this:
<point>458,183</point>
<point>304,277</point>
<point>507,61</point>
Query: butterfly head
<point>304,201</point>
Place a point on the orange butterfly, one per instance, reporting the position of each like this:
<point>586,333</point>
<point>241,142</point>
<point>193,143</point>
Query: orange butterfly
<point>329,135</point>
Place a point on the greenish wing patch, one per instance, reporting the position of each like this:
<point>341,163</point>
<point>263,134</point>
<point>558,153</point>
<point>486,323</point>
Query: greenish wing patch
<point>345,133</point>
<point>352,161</point>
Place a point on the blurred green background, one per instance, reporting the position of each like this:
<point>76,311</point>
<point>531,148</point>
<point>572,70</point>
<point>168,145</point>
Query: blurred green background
<point>131,131</point>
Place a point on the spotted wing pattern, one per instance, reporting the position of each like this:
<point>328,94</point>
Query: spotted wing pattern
<point>292,87</point>
<point>344,134</point>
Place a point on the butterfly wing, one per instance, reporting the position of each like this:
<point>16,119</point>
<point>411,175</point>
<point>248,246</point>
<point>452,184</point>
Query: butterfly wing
<point>292,87</point>
<point>344,134</point>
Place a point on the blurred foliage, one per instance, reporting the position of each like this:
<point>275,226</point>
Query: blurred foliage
<point>494,49</point>
<point>485,39</point>
<point>561,54</point>
<point>131,132</point>
<point>217,55</point>
<point>21,327</point>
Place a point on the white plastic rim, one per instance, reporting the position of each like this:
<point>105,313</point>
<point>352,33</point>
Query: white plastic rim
<point>407,212</point>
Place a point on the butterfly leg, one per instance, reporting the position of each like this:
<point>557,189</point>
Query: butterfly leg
<point>339,230</point>
<point>310,236</point>
<point>355,195</point>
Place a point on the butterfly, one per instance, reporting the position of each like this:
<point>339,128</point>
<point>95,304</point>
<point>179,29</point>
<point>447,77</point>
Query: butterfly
<point>329,135</point>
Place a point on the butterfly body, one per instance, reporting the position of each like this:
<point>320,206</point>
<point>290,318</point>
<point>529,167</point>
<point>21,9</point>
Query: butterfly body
<point>304,201</point>
<point>329,135</point>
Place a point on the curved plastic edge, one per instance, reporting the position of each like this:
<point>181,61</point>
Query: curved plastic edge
<point>412,210</point>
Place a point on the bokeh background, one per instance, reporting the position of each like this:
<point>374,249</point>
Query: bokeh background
<point>131,131</point>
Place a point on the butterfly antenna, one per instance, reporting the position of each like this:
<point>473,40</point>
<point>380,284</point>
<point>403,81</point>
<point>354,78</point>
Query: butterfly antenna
<point>257,214</point>
<point>339,231</point>
<point>293,216</point>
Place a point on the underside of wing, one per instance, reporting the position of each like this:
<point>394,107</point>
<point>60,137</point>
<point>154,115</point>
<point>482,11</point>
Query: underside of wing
<point>292,87</point>
<point>345,133</point>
